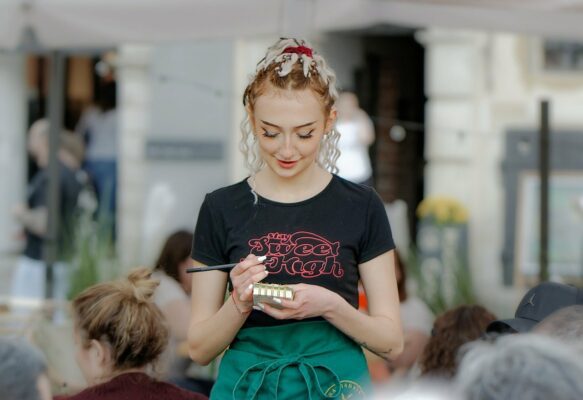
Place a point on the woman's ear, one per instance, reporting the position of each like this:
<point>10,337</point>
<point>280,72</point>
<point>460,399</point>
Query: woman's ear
<point>331,120</point>
<point>100,354</point>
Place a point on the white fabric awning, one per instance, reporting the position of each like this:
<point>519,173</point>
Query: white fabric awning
<point>101,23</point>
<point>545,18</point>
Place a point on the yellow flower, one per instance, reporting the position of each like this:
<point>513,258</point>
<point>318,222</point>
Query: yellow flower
<point>443,209</point>
<point>441,212</point>
<point>460,215</point>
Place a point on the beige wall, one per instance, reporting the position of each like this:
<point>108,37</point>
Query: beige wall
<point>479,85</point>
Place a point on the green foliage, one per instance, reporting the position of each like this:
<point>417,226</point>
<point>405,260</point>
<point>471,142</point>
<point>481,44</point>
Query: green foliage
<point>444,284</point>
<point>93,258</point>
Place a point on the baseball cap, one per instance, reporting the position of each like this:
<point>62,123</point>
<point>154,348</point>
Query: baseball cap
<point>539,302</point>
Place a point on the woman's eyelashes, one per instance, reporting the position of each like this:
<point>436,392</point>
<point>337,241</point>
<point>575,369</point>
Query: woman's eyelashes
<point>269,134</point>
<point>306,135</point>
<point>303,135</point>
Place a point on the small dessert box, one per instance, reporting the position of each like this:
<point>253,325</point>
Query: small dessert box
<point>266,292</point>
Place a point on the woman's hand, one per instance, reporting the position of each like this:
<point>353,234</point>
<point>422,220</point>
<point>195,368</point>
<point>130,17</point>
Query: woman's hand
<point>249,271</point>
<point>309,301</point>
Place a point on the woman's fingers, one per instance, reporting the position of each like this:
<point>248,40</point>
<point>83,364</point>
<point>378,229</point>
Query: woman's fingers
<point>246,293</point>
<point>258,276</point>
<point>249,262</point>
<point>249,266</point>
<point>249,271</point>
<point>291,304</point>
<point>251,275</point>
<point>279,313</point>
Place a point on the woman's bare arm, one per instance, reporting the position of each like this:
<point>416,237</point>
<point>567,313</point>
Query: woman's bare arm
<point>215,322</point>
<point>379,331</point>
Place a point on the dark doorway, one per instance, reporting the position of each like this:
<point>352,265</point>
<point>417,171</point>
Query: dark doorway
<point>391,89</point>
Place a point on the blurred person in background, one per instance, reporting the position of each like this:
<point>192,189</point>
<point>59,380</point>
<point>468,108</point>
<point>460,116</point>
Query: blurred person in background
<point>172,296</point>
<point>526,366</point>
<point>537,304</point>
<point>417,322</point>
<point>119,335</point>
<point>356,136</point>
<point>450,332</point>
<point>565,325</point>
<point>173,299</point>
<point>23,371</point>
<point>421,389</point>
<point>29,279</point>
<point>98,126</point>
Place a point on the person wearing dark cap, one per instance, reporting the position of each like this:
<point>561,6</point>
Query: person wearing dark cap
<point>538,303</point>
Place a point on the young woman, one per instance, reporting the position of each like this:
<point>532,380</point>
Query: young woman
<point>293,222</point>
<point>119,334</point>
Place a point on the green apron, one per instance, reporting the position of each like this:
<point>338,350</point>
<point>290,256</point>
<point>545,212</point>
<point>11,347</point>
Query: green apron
<point>301,360</point>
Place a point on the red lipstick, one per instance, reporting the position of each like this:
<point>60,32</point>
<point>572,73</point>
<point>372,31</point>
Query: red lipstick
<point>286,164</point>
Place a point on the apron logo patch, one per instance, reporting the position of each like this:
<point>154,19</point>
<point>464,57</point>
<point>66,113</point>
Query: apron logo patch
<point>347,390</point>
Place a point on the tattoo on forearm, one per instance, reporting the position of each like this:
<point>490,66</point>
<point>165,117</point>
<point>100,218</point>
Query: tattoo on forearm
<point>382,354</point>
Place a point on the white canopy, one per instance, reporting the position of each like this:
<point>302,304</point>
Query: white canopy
<point>549,18</point>
<point>100,23</point>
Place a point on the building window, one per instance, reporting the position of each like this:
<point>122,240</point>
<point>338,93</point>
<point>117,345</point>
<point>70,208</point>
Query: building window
<point>561,56</point>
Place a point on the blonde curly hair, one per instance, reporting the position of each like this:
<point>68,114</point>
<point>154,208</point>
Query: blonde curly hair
<point>291,64</point>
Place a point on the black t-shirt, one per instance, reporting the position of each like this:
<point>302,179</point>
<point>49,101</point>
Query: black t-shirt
<point>319,241</point>
<point>70,187</point>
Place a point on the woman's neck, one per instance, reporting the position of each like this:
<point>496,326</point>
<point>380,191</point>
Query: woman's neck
<point>115,374</point>
<point>310,182</point>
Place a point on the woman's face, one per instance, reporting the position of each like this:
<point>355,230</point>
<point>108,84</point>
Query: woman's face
<point>289,126</point>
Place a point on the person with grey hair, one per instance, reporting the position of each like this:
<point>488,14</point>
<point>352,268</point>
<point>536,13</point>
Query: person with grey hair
<point>527,366</point>
<point>420,389</point>
<point>566,325</point>
<point>23,371</point>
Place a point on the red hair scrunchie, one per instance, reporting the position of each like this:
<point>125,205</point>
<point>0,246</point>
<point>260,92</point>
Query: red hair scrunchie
<point>298,50</point>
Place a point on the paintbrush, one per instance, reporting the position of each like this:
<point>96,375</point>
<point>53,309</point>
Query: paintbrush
<point>222,267</point>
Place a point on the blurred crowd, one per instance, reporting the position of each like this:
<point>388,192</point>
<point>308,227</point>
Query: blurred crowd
<point>130,334</point>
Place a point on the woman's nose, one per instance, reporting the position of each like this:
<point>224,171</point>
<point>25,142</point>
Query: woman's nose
<point>287,149</point>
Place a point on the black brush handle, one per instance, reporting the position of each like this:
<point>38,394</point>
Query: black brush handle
<point>224,267</point>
